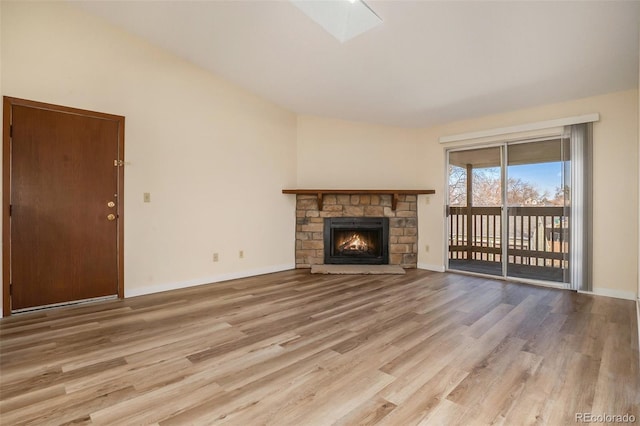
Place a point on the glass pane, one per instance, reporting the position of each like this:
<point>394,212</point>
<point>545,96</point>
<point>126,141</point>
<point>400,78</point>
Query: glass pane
<point>537,226</point>
<point>475,201</point>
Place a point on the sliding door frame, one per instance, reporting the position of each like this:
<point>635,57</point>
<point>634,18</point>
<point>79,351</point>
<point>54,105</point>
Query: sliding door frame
<point>504,217</point>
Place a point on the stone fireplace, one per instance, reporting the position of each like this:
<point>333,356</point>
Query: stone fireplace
<point>400,210</point>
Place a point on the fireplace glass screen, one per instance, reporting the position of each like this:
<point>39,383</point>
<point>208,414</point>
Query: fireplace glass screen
<point>356,241</point>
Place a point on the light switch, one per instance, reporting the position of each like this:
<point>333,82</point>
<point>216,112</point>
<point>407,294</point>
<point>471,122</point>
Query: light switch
<point>147,197</point>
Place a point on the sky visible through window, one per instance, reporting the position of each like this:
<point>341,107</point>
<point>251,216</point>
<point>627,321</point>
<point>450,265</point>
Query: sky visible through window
<point>544,176</point>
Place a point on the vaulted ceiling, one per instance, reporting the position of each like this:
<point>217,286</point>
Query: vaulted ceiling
<point>429,62</point>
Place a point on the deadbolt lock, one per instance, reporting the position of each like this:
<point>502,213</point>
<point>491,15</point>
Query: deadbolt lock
<point>111,204</point>
<point>111,216</point>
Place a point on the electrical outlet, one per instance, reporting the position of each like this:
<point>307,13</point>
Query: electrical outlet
<point>146,197</point>
<point>215,257</point>
<point>241,254</point>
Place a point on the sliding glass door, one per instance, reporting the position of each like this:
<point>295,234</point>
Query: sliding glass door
<point>537,210</point>
<point>508,210</point>
<point>475,210</point>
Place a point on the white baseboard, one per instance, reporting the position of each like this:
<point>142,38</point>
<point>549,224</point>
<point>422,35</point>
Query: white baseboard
<point>206,280</point>
<point>617,294</point>
<point>434,268</point>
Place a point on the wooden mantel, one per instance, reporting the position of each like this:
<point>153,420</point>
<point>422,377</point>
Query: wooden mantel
<point>393,192</point>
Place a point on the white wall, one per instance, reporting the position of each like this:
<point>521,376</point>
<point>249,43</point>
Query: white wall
<point>213,156</point>
<point>615,191</point>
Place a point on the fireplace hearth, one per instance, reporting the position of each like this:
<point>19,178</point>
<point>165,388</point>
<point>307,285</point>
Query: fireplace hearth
<point>356,240</point>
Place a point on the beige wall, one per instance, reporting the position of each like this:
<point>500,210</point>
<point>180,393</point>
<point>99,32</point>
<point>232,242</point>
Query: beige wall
<point>342,154</point>
<point>214,157</point>
<point>615,191</point>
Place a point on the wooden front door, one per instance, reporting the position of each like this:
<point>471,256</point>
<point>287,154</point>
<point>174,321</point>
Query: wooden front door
<point>64,190</point>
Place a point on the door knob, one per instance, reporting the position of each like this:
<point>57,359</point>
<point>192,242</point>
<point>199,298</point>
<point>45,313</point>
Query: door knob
<point>111,216</point>
<point>111,204</point>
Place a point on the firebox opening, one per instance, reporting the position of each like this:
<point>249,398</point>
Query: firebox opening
<point>356,241</point>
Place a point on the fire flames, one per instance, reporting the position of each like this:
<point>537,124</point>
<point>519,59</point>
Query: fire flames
<point>354,243</point>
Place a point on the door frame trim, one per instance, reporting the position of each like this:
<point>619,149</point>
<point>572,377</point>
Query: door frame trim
<point>8,103</point>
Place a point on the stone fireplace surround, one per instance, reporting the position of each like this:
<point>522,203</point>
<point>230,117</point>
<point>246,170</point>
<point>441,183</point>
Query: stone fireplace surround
<point>403,224</point>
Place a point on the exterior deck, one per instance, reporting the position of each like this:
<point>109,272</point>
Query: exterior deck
<point>537,241</point>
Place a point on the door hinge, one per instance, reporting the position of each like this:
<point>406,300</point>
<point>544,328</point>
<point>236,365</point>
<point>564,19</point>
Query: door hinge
<point>10,209</point>
<point>118,163</point>
<point>11,289</point>
<point>11,130</point>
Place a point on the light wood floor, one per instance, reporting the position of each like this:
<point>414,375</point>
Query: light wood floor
<point>298,349</point>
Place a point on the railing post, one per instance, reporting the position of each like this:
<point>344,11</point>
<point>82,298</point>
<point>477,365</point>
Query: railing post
<point>469,207</point>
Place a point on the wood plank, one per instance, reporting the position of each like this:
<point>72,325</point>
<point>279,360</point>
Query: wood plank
<point>295,348</point>
<point>359,191</point>
<point>395,193</point>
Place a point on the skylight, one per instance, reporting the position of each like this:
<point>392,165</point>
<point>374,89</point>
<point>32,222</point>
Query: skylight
<point>343,19</point>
